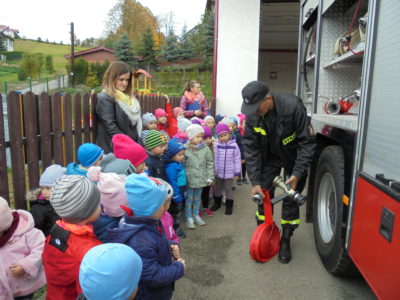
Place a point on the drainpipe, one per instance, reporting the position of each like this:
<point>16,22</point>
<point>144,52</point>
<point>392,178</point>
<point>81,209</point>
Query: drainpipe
<point>215,66</point>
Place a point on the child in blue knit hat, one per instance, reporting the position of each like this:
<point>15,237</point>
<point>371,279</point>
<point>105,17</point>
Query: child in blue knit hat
<point>110,271</point>
<point>176,176</point>
<point>88,155</point>
<point>142,231</point>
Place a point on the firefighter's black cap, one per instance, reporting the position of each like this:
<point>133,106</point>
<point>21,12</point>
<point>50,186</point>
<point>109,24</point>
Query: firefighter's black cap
<point>253,93</point>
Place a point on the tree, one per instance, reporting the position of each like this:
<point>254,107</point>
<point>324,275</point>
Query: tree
<point>124,50</point>
<point>81,70</point>
<point>171,50</point>
<point>207,37</point>
<point>147,49</point>
<point>49,64</point>
<point>132,18</point>
<point>29,65</point>
<point>91,79</point>
<point>40,62</point>
<point>2,43</point>
<point>186,46</point>
<point>100,69</point>
<point>39,39</point>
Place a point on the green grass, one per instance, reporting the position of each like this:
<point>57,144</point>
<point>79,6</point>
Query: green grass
<point>8,72</point>
<point>56,50</point>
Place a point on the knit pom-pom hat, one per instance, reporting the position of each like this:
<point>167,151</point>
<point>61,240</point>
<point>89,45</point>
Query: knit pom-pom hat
<point>112,191</point>
<point>159,112</point>
<point>222,128</point>
<point>194,130</point>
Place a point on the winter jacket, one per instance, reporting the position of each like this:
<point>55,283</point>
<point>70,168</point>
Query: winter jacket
<point>111,119</point>
<point>146,237</point>
<point>171,128</point>
<point>156,166</point>
<point>62,256</point>
<point>227,160</point>
<point>76,169</point>
<point>25,248</point>
<point>176,176</point>
<point>296,146</point>
<point>189,106</point>
<point>42,211</point>
<point>101,226</point>
<point>168,225</point>
<point>199,166</point>
<point>239,141</point>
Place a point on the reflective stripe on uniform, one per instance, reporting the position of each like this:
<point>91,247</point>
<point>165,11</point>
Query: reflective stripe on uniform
<point>260,130</point>
<point>291,222</point>
<point>289,139</point>
<point>260,217</point>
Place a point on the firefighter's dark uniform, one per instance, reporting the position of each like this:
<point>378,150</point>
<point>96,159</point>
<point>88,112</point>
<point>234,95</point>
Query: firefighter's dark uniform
<point>280,139</point>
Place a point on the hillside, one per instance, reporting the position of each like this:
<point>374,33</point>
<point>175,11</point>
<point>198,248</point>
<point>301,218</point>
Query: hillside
<point>58,51</point>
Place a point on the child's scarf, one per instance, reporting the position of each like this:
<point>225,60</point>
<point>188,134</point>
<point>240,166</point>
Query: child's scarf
<point>191,97</point>
<point>4,239</point>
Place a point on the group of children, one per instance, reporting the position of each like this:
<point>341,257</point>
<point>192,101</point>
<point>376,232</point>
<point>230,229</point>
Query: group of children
<point>107,226</point>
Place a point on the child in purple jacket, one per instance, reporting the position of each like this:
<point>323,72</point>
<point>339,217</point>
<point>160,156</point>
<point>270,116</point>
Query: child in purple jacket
<point>227,167</point>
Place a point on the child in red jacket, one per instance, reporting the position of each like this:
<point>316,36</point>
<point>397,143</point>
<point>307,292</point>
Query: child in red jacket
<point>167,120</point>
<point>77,201</point>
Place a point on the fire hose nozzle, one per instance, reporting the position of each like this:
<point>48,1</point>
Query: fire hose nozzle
<point>287,189</point>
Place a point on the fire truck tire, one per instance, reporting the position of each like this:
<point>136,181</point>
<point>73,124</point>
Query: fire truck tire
<point>329,232</point>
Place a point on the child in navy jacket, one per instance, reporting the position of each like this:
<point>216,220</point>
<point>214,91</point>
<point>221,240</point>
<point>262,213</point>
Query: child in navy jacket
<point>162,264</point>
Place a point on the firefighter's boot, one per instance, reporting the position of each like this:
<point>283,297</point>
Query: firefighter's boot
<point>217,203</point>
<point>285,254</point>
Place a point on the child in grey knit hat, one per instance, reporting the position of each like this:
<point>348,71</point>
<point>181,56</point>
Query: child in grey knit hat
<point>77,201</point>
<point>149,123</point>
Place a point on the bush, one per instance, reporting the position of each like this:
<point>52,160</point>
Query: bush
<point>15,55</point>
<point>22,75</point>
<point>81,70</point>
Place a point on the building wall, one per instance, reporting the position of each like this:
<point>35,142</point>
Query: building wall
<point>237,58</point>
<point>99,56</point>
<point>283,64</point>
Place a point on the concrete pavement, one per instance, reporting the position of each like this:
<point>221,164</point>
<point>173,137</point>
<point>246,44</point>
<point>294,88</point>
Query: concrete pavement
<point>219,265</point>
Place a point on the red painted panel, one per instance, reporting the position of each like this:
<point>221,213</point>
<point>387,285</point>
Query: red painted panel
<point>376,258</point>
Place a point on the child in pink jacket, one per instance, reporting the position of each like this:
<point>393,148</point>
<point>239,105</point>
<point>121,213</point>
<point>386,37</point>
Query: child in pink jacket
<point>21,247</point>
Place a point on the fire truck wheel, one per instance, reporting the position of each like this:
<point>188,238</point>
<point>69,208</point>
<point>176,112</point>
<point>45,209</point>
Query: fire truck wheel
<point>329,232</point>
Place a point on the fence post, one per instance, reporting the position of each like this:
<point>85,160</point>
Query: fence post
<point>63,85</point>
<point>47,84</point>
<point>30,83</point>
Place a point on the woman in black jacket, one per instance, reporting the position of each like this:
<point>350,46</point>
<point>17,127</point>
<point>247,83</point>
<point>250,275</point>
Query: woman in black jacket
<point>118,111</point>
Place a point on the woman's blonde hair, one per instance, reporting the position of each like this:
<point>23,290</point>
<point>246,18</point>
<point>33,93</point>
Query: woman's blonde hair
<point>112,73</point>
<point>189,85</point>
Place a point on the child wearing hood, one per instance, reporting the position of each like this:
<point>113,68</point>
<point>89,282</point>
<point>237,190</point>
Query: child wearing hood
<point>77,201</point>
<point>199,166</point>
<point>101,269</point>
<point>141,230</point>
<point>42,212</point>
<point>88,155</point>
<point>21,247</point>
<point>166,219</point>
<point>227,167</point>
<point>176,176</point>
<point>112,197</point>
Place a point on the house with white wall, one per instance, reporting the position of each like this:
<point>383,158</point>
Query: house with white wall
<point>9,35</point>
<point>254,40</point>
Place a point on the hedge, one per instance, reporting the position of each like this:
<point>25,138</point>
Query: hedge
<point>14,55</point>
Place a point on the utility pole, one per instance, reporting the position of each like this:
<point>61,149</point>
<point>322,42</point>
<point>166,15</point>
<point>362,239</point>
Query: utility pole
<point>72,56</point>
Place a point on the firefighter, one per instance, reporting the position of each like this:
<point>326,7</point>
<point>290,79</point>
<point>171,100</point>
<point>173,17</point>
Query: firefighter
<point>276,136</point>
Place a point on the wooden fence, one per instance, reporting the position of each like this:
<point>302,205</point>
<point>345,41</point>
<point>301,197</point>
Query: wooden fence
<point>46,129</point>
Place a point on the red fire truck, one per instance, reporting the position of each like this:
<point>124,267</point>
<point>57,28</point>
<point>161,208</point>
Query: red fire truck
<point>349,77</point>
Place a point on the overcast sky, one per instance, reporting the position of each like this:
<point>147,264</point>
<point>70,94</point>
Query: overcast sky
<point>50,19</point>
